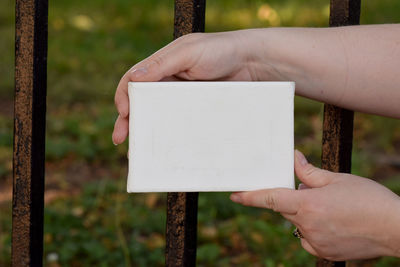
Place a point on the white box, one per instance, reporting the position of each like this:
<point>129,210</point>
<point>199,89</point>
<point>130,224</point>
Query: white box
<point>210,136</point>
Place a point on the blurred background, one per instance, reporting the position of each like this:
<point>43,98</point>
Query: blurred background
<point>89,218</point>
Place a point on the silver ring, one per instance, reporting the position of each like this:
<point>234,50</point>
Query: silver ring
<point>297,233</point>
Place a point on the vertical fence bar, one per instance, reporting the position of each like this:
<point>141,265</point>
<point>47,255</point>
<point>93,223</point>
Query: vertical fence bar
<point>181,234</point>
<point>29,131</point>
<point>337,137</point>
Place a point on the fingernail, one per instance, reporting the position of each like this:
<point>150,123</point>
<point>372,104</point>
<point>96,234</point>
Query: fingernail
<point>236,198</point>
<point>137,73</point>
<point>300,157</point>
<point>112,140</point>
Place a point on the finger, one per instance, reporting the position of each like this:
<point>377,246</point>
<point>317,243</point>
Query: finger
<point>163,63</point>
<point>120,130</point>
<point>121,98</point>
<point>166,62</point>
<point>279,199</point>
<point>311,176</point>
<point>308,247</point>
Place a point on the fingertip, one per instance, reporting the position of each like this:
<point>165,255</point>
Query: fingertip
<point>118,138</point>
<point>115,139</point>
<point>120,130</point>
<point>235,197</point>
<point>300,159</point>
<point>301,167</point>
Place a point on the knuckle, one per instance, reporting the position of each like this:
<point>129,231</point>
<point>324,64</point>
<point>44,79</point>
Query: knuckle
<point>310,171</point>
<point>182,39</point>
<point>188,41</point>
<point>191,36</point>
<point>118,101</point>
<point>270,201</point>
<point>157,60</point>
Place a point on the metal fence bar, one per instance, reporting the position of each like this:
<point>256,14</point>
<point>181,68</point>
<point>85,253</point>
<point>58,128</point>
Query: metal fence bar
<point>337,137</point>
<point>29,131</point>
<point>181,234</point>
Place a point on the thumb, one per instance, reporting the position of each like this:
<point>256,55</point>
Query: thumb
<point>279,199</point>
<point>309,174</point>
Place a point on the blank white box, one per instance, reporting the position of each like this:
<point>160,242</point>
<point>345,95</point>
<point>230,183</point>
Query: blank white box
<point>210,136</point>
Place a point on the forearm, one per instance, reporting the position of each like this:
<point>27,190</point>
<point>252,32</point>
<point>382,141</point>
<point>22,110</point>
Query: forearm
<point>353,67</point>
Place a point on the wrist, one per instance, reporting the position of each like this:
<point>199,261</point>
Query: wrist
<point>272,54</point>
<point>262,56</point>
<point>300,55</point>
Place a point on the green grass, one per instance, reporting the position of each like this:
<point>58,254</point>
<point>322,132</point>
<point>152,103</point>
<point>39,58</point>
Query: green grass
<point>106,225</point>
<point>92,221</point>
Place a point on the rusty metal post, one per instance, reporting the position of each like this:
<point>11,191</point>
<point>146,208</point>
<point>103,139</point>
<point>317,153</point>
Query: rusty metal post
<point>181,233</point>
<point>29,131</point>
<point>337,137</point>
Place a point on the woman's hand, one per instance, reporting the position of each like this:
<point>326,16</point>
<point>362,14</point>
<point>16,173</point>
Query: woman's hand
<point>341,65</point>
<point>341,216</point>
<point>199,56</point>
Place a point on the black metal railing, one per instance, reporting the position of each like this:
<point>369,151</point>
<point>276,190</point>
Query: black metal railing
<point>29,134</point>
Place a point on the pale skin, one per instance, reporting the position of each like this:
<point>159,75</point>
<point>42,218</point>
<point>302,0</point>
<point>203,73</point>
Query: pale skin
<point>341,216</point>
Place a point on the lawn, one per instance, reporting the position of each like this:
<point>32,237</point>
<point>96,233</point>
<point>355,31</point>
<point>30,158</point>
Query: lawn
<point>89,217</point>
